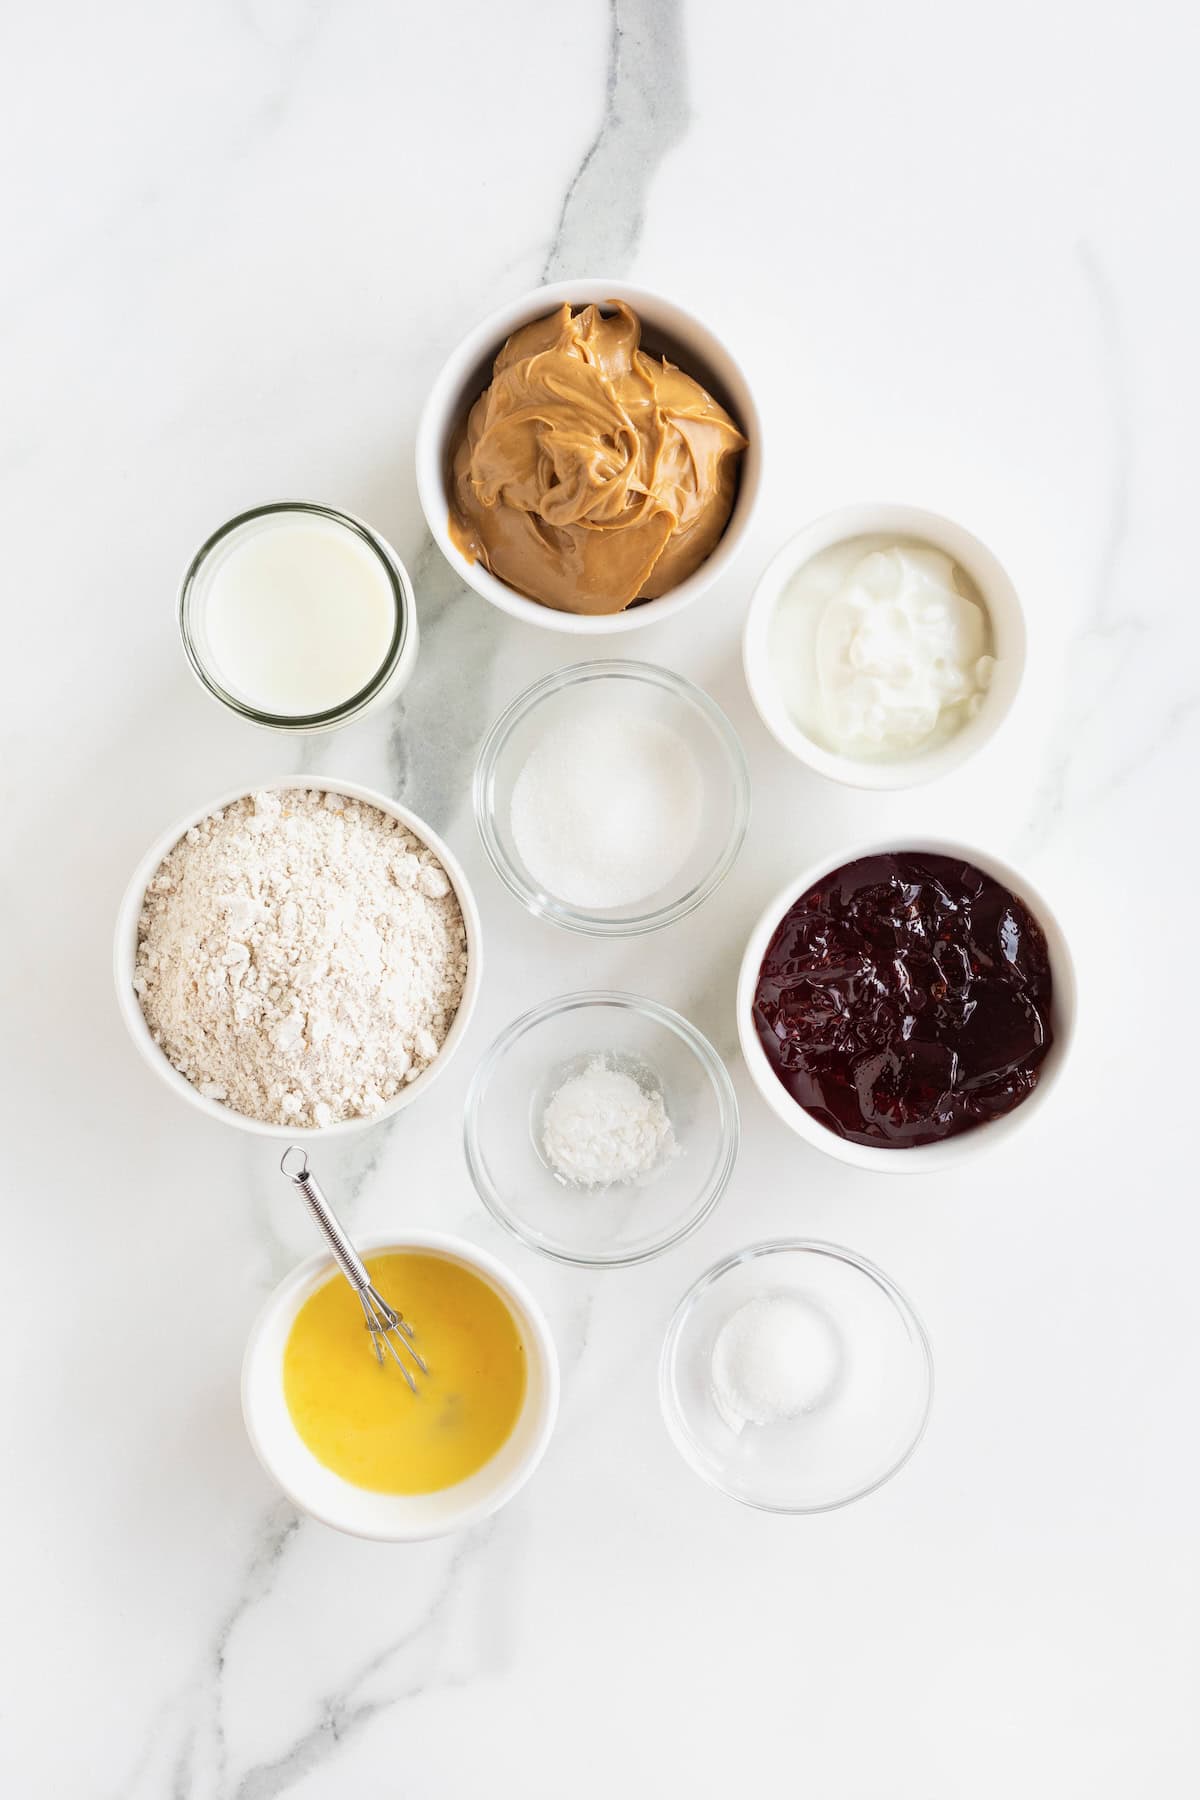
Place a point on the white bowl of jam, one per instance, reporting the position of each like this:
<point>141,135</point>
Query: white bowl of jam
<point>341,1433</point>
<point>907,1005</point>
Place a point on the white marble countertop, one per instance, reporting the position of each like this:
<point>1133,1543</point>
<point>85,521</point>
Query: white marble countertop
<point>953,249</point>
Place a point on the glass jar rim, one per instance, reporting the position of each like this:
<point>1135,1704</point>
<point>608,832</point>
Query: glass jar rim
<point>402,595</point>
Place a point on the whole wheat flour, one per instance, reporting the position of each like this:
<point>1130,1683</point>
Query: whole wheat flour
<point>300,957</point>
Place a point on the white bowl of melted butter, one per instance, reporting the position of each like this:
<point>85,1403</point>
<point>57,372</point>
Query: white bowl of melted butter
<point>884,645</point>
<point>320,1430</point>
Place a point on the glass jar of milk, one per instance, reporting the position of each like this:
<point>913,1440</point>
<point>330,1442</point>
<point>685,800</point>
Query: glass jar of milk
<point>299,617</point>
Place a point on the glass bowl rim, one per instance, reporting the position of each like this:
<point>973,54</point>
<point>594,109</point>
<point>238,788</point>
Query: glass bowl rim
<point>702,1050</point>
<point>482,795</point>
<point>749,1253</point>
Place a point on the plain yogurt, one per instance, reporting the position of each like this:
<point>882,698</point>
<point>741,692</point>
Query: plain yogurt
<point>881,648</point>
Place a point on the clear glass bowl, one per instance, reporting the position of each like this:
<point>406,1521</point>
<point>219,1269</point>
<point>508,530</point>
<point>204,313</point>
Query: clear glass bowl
<point>627,1222</point>
<point>871,1416</point>
<point>643,691</point>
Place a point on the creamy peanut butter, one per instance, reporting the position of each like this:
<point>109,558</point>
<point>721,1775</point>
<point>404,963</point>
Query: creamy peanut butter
<point>588,475</point>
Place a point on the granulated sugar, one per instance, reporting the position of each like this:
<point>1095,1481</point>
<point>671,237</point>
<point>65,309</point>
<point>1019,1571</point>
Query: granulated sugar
<point>606,809</point>
<point>300,957</point>
<point>778,1356</point>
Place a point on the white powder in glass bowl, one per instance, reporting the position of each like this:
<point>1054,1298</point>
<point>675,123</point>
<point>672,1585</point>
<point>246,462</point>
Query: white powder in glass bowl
<point>606,809</point>
<point>602,1127</point>
<point>776,1357</point>
<point>300,957</point>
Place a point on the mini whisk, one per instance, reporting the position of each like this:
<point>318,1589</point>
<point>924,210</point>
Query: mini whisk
<point>389,1329</point>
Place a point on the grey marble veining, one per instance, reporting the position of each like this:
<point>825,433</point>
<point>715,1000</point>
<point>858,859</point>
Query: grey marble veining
<point>184,1743</point>
<point>444,712</point>
<point>349,1708</point>
<point>645,115</point>
<point>1110,634</point>
<point>1117,377</point>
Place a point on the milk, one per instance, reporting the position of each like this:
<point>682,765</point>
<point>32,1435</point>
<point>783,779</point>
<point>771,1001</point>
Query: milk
<point>297,613</point>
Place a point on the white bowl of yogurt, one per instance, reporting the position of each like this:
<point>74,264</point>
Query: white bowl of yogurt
<point>884,645</point>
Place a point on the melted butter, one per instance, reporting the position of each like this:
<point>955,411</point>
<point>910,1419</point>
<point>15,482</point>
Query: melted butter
<point>360,1419</point>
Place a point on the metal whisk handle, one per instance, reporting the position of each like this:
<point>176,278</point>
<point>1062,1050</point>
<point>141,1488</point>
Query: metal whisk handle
<point>346,1256</point>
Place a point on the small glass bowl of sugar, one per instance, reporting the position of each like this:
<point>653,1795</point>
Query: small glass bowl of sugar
<point>795,1377</point>
<point>612,797</point>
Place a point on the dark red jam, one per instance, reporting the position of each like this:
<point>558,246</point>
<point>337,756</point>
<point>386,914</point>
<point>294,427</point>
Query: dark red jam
<point>906,998</point>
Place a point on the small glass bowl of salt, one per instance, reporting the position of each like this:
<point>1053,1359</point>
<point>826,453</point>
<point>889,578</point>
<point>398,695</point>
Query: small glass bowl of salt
<point>795,1377</point>
<point>601,1128</point>
<point>612,797</point>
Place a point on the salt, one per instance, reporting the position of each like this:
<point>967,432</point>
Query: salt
<point>776,1357</point>
<point>606,809</point>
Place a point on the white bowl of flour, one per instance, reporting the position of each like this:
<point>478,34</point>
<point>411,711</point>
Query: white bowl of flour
<point>299,960</point>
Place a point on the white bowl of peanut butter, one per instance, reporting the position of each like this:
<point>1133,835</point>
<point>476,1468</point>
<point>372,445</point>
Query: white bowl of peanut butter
<point>588,458</point>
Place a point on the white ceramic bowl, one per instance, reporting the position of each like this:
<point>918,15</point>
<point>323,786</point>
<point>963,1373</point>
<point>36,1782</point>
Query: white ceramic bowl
<point>125,957</point>
<point>995,589</point>
<point>922,1159</point>
<point>668,329</point>
<point>395,1518</point>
